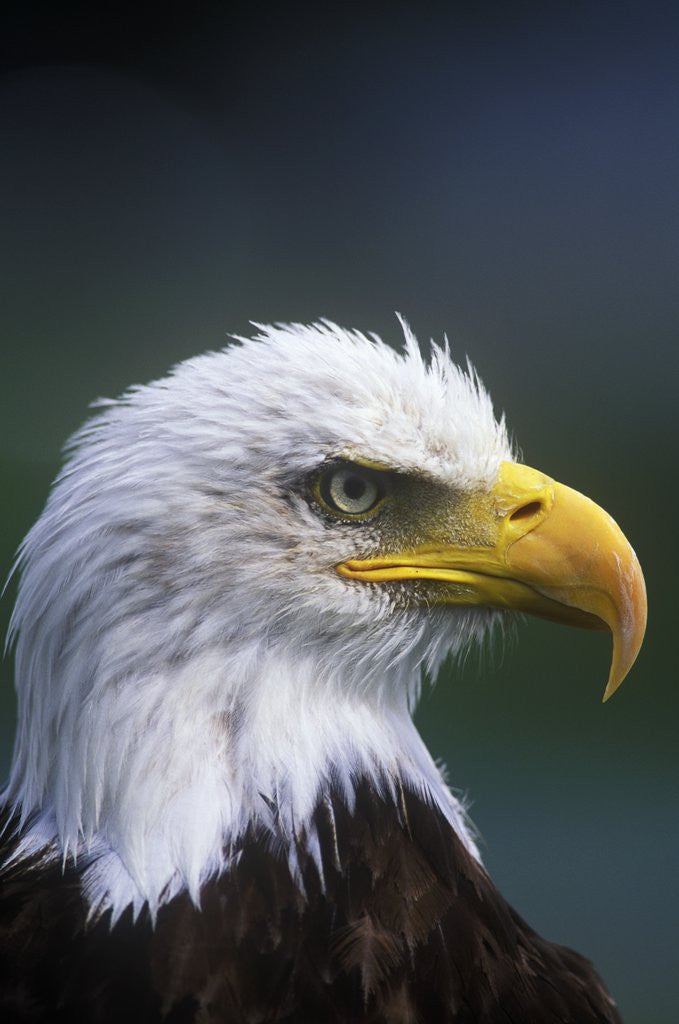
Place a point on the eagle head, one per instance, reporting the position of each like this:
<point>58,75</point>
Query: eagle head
<point>240,574</point>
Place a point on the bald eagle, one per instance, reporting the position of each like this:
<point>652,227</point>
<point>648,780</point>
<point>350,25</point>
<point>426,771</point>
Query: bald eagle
<point>219,809</point>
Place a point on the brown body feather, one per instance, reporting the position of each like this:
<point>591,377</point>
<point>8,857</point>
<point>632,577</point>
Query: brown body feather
<point>404,927</point>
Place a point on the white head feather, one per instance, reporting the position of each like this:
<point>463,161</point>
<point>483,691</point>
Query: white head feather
<point>188,661</point>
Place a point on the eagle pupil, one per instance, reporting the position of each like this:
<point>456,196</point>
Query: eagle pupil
<point>354,487</point>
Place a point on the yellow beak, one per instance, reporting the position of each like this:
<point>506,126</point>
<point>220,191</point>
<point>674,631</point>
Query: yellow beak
<point>554,553</point>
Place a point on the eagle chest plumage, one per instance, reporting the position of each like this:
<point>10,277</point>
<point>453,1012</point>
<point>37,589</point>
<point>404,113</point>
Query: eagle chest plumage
<point>402,926</point>
<point>219,809</point>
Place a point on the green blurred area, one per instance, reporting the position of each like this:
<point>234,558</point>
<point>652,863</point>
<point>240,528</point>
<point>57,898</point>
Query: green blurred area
<point>526,206</point>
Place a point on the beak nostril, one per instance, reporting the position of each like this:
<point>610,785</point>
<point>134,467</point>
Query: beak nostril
<point>526,511</point>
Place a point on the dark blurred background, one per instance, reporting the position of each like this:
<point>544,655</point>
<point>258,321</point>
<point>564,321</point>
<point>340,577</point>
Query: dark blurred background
<point>508,173</point>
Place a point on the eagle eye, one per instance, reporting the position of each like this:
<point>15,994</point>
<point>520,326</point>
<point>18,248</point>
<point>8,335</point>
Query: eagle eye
<point>350,491</point>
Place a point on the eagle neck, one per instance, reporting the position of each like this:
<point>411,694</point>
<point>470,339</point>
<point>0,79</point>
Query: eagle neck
<point>235,746</point>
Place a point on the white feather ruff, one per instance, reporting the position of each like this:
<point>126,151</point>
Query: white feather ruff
<point>188,661</point>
